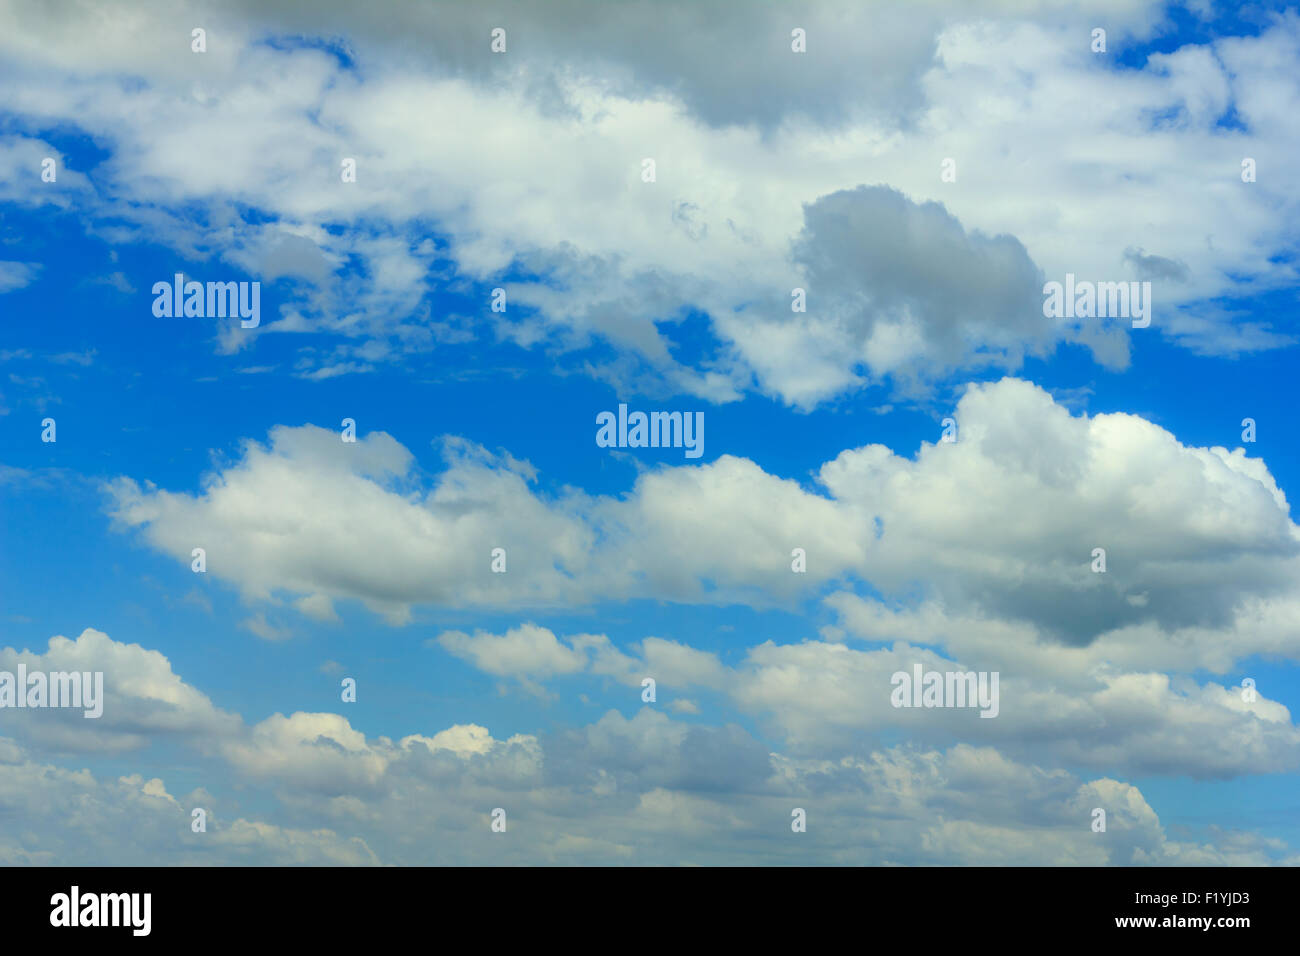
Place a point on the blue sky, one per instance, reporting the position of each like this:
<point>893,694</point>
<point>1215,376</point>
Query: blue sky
<point>375,298</point>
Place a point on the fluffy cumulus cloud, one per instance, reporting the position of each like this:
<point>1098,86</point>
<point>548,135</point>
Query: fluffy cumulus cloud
<point>1000,525</point>
<point>142,697</point>
<point>1006,519</point>
<point>759,188</point>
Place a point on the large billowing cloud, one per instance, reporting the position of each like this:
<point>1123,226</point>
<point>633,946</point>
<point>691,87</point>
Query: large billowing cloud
<point>1006,519</point>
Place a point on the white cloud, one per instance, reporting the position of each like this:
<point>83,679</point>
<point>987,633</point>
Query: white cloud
<point>525,651</point>
<point>15,275</point>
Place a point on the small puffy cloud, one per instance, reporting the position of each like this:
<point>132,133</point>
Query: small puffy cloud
<point>527,651</point>
<point>532,654</point>
<point>15,275</point>
<point>309,751</point>
<point>142,697</point>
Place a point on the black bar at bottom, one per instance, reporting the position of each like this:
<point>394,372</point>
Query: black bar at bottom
<point>648,907</point>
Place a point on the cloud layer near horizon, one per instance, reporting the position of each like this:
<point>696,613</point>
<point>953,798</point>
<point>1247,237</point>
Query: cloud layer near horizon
<point>644,789</point>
